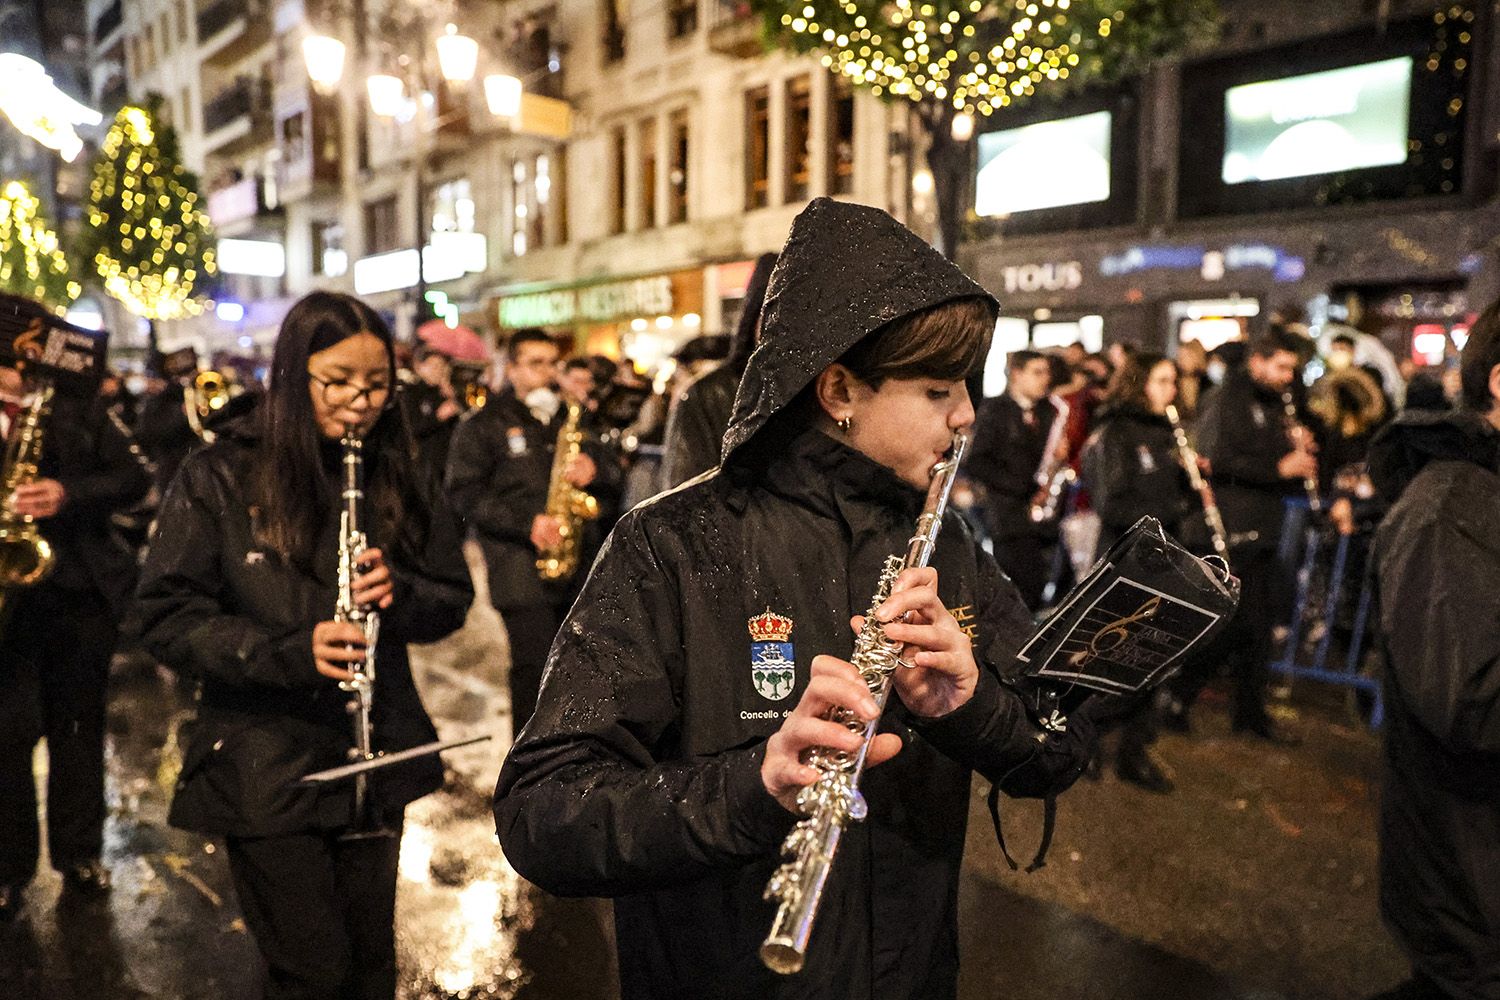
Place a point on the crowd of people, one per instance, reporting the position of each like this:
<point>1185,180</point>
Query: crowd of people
<point>739,512</point>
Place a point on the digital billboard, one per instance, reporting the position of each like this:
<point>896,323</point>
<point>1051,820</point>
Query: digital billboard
<point>1318,123</point>
<point>1047,165</point>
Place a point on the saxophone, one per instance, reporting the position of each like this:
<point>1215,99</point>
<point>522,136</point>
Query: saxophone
<point>567,503</point>
<point>831,802</point>
<point>1055,474</point>
<point>352,544</point>
<point>25,556</point>
<point>202,399</point>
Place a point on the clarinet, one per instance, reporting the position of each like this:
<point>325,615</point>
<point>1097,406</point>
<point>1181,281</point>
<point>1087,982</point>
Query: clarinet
<point>1295,430</point>
<point>1200,486</point>
<point>352,545</point>
<point>834,800</point>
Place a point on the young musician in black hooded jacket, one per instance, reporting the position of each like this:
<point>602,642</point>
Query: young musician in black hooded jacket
<point>238,591</point>
<point>665,753</point>
<point>1132,469</point>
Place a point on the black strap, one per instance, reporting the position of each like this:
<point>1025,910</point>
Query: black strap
<point>1049,824</point>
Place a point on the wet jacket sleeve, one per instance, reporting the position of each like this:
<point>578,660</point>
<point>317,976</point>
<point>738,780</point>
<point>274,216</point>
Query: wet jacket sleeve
<point>1234,445</point>
<point>183,622</point>
<point>993,733</point>
<point>430,598</point>
<point>1438,609</point>
<point>479,484</point>
<point>583,806</point>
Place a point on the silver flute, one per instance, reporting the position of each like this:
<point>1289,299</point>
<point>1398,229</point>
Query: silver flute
<point>834,800</point>
<point>352,545</point>
<point>1211,514</point>
<point>1297,433</point>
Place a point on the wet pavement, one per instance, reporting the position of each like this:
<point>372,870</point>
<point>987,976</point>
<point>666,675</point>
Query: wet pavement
<point>1255,879</point>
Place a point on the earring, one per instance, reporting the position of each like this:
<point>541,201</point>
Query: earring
<point>845,423</point>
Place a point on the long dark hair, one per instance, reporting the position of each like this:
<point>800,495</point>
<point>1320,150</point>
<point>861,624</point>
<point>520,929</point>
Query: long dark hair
<point>293,492</point>
<point>1127,389</point>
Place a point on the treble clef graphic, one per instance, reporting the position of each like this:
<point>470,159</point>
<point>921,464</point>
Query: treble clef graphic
<point>1112,636</point>
<point>27,346</point>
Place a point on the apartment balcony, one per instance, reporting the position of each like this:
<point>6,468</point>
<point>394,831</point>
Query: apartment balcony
<point>234,206</point>
<point>308,135</point>
<point>238,117</point>
<point>229,30</point>
<point>733,28</point>
<point>108,24</point>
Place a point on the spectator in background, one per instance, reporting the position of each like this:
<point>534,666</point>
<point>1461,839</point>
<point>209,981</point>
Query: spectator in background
<point>576,383</point>
<point>429,404</point>
<point>1192,378</point>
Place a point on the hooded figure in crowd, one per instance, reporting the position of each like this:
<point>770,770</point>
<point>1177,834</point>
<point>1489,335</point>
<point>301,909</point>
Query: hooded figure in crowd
<point>663,762</point>
<point>1436,565</point>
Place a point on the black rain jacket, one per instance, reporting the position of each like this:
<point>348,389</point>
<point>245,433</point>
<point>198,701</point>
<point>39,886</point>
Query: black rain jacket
<point>499,469</point>
<point>639,776</point>
<point>1436,563</point>
<point>218,608</point>
<point>1131,470</point>
<point>1242,432</point>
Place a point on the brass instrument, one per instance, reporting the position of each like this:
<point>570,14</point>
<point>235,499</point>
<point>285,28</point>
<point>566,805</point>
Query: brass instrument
<point>25,556</point>
<point>352,545</point>
<point>567,503</point>
<point>1055,474</point>
<point>476,394</point>
<point>1200,486</point>
<point>1297,433</point>
<point>834,800</point>
<point>203,398</point>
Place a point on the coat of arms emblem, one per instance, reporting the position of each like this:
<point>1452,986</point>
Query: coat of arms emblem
<point>773,663</point>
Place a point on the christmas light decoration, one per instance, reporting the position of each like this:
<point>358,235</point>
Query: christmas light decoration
<point>152,243</point>
<point>31,261</point>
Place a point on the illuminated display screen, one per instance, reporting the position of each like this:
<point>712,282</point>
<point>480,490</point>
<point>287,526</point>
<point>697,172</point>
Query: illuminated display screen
<point>1319,123</point>
<point>1046,165</point>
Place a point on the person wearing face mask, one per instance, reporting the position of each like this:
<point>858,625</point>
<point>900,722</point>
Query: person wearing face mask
<point>1132,469</point>
<point>239,591</point>
<point>1257,462</point>
<point>499,472</point>
<point>665,756</point>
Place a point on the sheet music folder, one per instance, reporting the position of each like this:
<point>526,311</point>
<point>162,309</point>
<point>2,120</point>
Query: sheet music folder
<point>1133,620</point>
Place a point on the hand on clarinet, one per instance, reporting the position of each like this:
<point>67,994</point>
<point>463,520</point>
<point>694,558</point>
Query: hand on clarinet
<point>944,674</point>
<point>1297,465</point>
<point>373,586</point>
<point>335,645</point>
<point>834,684</point>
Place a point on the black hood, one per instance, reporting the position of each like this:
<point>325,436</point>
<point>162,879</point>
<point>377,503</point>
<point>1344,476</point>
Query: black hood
<point>1418,437</point>
<point>845,272</point>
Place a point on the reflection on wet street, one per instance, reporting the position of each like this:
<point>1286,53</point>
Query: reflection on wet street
<point>1256,879</point>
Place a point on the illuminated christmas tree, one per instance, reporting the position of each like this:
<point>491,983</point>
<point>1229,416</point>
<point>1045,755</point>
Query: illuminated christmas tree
<point>152,245</point>
<point>975,57</point>
<point>32,263</point>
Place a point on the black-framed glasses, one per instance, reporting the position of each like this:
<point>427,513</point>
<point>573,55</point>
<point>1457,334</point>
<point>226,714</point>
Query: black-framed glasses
<point>342,392</point>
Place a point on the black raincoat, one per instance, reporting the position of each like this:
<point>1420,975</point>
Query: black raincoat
<point>1436,562</point>
<point>217,607</point>
<point>639,775</point>
<point>1242,432</point>
<point>1131,470</point>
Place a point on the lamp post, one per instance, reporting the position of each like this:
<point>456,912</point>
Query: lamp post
<point>458,59</point>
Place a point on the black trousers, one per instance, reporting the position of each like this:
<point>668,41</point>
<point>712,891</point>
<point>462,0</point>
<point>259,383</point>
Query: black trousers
<point>322,911</point>
<point>55,650</point>
<point>1027,560</point>
<point>531,630</point>
<point>1245,643</point>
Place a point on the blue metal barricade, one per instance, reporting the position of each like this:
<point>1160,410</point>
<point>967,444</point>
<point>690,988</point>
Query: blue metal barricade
<point>1317,668</point>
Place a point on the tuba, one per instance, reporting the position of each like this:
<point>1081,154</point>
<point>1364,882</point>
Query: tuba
<point>25,556</point>
<point>832,802</point>
<point>206,395</point>
<point>567,503</point>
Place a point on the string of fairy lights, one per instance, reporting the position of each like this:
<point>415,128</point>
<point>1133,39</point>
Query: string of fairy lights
<point>979,55</point>
<point>155,243</point>
<point>32,263</point>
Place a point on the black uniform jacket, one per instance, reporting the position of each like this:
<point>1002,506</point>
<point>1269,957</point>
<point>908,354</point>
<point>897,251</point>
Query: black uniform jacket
<point>499,469</point>
<point>639,775</point>
<point>1131,469</point>
<point>696,425</point>
<point>1437,570</point>
<point>217,607</point>
<point>1004,459</point>
<point>1242,432</point>
<point>84,451</point>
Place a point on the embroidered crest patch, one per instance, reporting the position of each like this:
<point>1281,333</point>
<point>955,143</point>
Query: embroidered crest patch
<point>773,661</point>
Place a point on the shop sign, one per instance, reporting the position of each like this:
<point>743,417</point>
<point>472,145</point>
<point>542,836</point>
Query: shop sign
<point>1061,276</point>
<point>1152,258</point>
<point>599,303</point>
